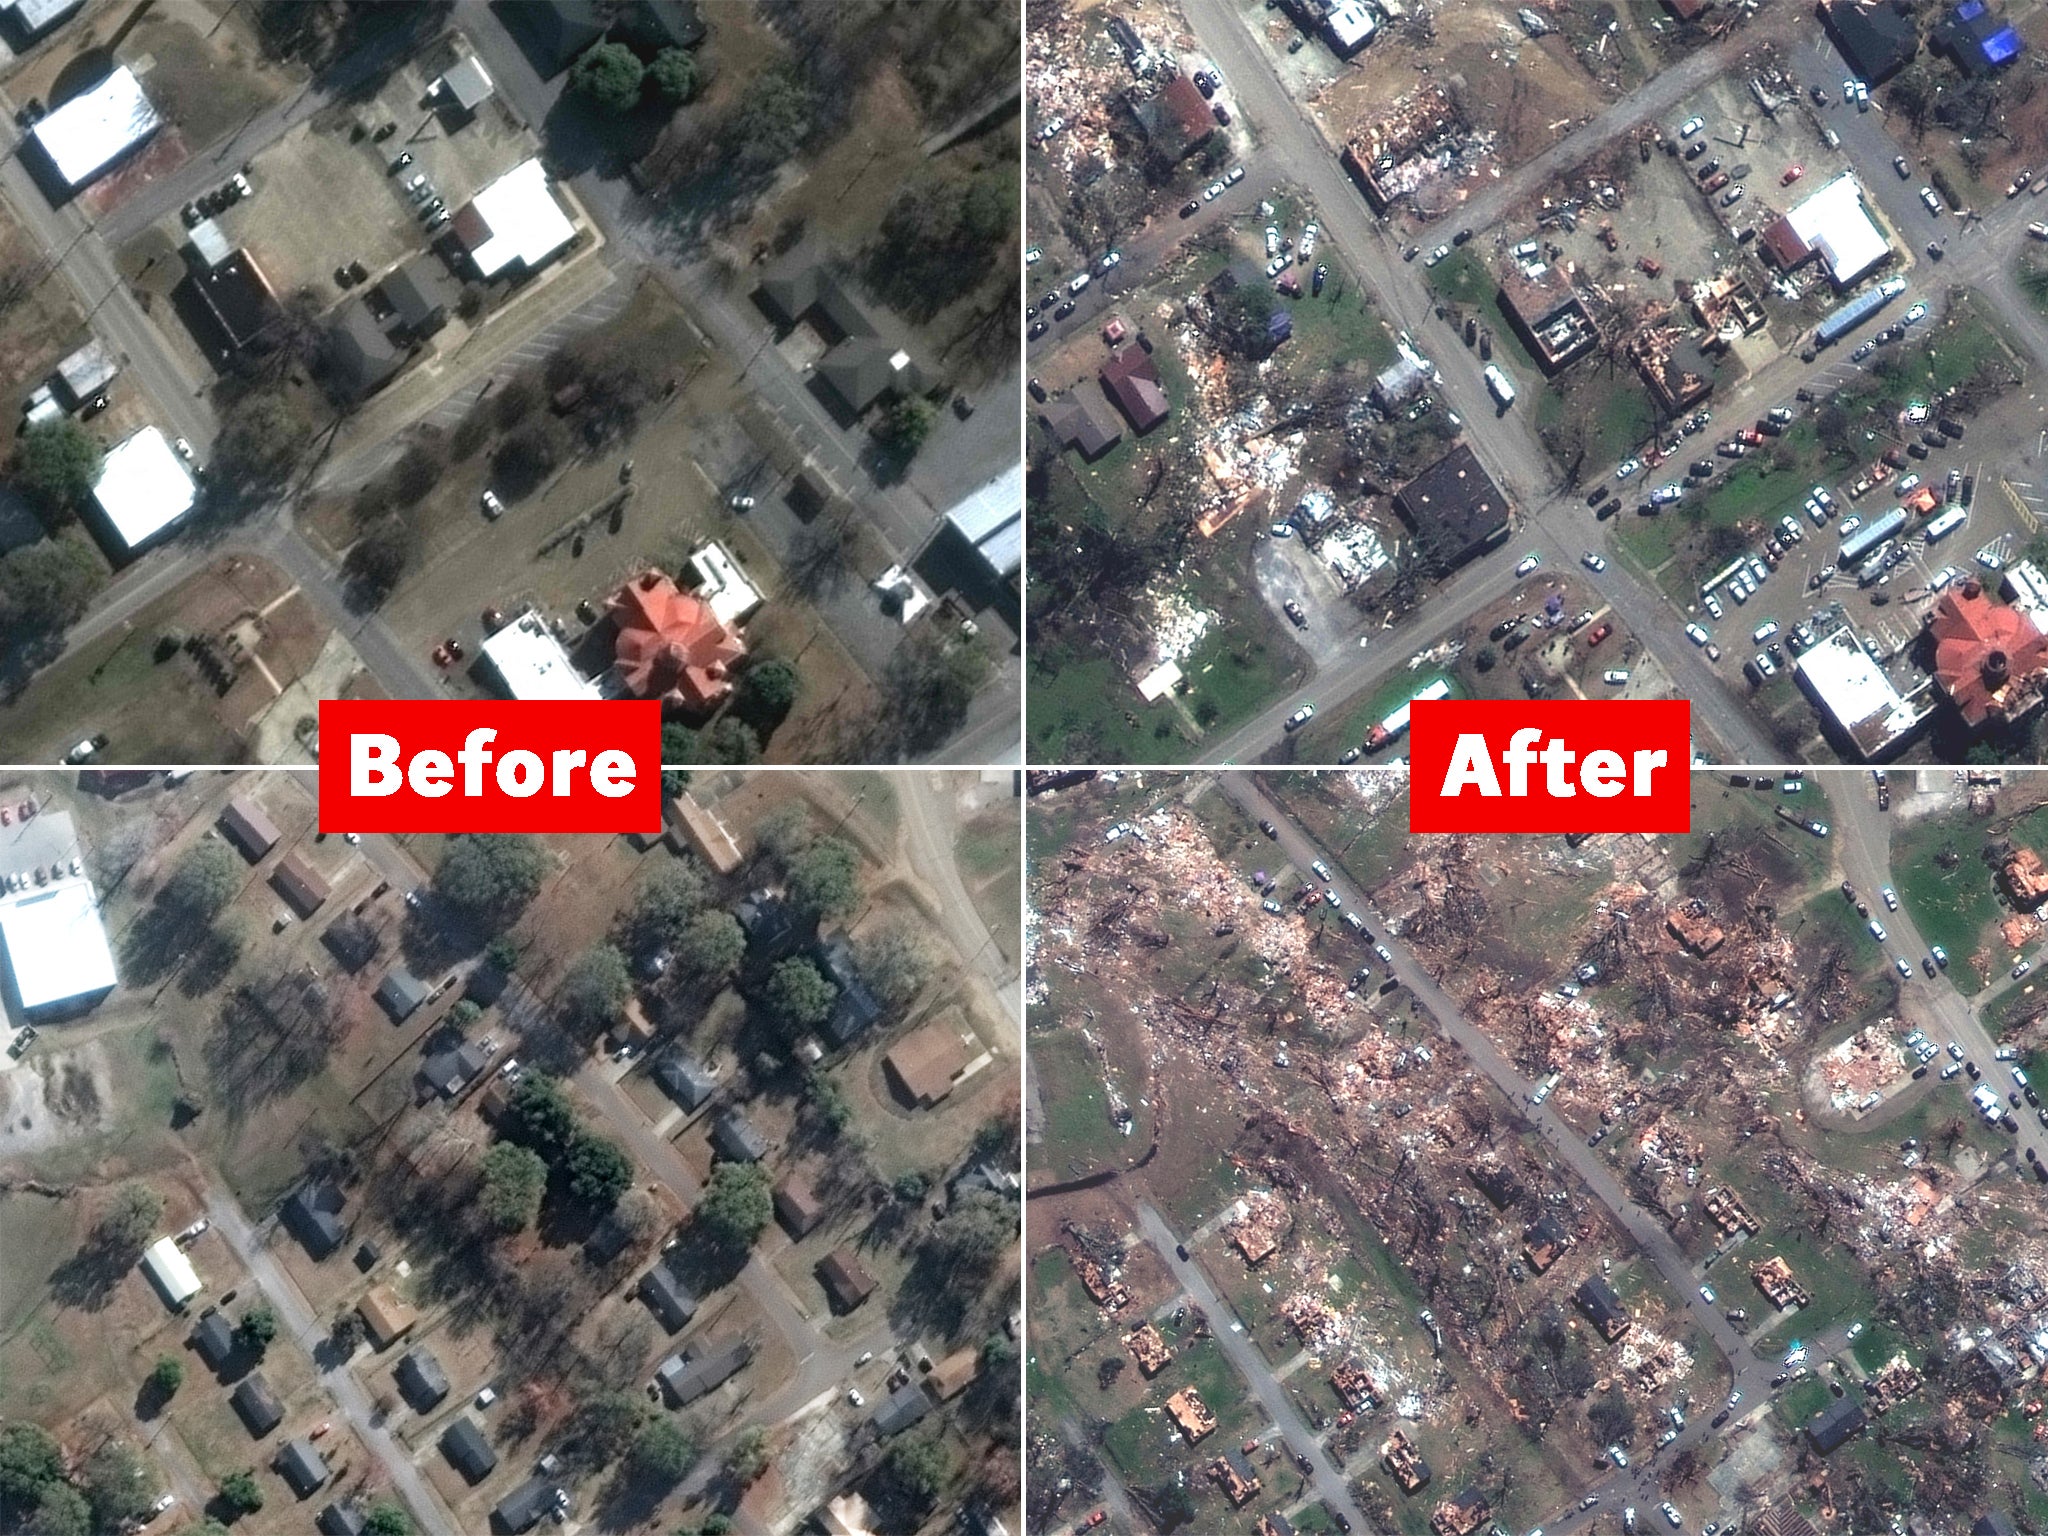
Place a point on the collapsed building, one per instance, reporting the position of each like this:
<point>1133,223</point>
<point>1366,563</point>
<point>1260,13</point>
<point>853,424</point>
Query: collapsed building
<point>1149,1349</point>
<point>1726,309</point>
<point>1461,1515</point>
<point>1232,1473</point>
<point>1691,923</point>
<point>1545,1243</point>
<point>1725,1209</point>
<point>1550,315</point>
<point>1415,140</point>
<point>1354,1386</point>
<point>1672,363</point>
<point>1190,1415</point>
<point>2026,879</point>
<point>1603,1308</point>
<point>1774,1278</point>
<point>1256,1227</point>
<point>1403,1460</point>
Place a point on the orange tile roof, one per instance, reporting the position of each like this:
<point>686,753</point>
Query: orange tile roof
<point>1989,658</point>
<point>670,645</point>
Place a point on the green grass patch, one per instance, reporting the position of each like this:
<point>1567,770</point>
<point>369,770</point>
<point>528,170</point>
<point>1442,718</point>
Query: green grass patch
<point>1462,278</point>
<point>1078,1135</point>
<point>1801,1401</point>
<point>1944,885</point>
<point>1878,1344</point>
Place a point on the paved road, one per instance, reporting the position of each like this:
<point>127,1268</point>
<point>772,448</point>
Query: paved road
<point>353,1403</point>
<point>931,825</point>
<point>1238,1348</point>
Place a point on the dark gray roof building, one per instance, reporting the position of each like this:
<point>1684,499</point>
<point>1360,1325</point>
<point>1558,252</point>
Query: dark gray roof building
<point>340,1519</point>
<point>685,1079</point>
<point>901,1409</point>
<point>687,1380</point>
<point>449,1072</point>
<point>467,1450</point>
<point>521,1509</point>
<point>420,294</point>
<point>855,1010</point>
<point>214,1340</point>
<point>769,924</point>
<point>667,1297</point>
<point>421,1379</point>
<point>313,1214</point>
<point>400,992</point>
<point>360,357</point>
<point>1835,1424</point>
<point>301,1466</point>
<point>257,1404</point>
<point>734,1138</point>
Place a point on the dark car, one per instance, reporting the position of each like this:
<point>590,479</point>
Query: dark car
<point>1037,389</point>
<point>1269,829</point>
<point>1916,450</point>
<point>1411,253</point>
<point>1038,329</point>
<point>1322,276</point>
<point>1205,83</point>
<point>1221,113</point>
<point>1720,1419</point>
<point>1191,207</point>
<point>1701,468</point>
<point>1293,611</point>
<point>1181,1249</point>
<point>1064,310</point>
<point>1461,237</point>
<point>1598,494</point>
<point>1343,1520</point>
<point>32,112</point>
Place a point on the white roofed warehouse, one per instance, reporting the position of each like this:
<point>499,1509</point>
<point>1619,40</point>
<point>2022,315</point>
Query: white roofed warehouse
<point>1833,224</point>
<point>171,1272</point>
<point>86,135</point>
<point>143,489</point>
<point>515,222</point>
<point>58,958</point>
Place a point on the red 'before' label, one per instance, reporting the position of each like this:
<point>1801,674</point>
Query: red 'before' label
<point>1550,765</point>
<point>431,765</point>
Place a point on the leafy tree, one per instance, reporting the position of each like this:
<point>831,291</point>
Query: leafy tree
<point>772,120</point>
<point>736,1207</point>
<point>674,73</point>
<point>596,987</point>
<point>56,466</point>
<point>599,1171</point>
<point>387,1519</point>
<point>204,882</point>
<point>978,1231</point>
<point>717,1523</point>
<point>515,1178</point>
<point>610,74</point>
<point>930,682</point>
<point>907,423</point>
<point>129,1219</point>
<point>830,1101</point>
<point>798,994</point>
<point>30,1461</point>
<point>662,1452</point>
<point>912,1186</point>
<point>240,1492</point>
<point>678,745</point>
<point>47,586</point>
<point>730,740</point>
<point>491,876</point>
<point>117,1484</point>
<point>502,954</point>
<point>377,561</point>
<point>785,831</point>
<point>666,904</point>
<point>748,1458</point>
<point>918,1470</point>
<point>258,444</point>
<point>767,690</point>
<point>712,946</point>
<point>823,877</point>
<point>606,1426</point>
<point>541,1117</point>
<point>895,960</point>
<point>1241,317</point>
<point>256,1329</point>
<point>60,1510</point>
<point>166,1376</point>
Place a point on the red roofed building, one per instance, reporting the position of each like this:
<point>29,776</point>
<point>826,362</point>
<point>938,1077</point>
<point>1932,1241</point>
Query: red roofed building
<point>1131,379</point>
<point>670,645</point>
<point>1989,658</point>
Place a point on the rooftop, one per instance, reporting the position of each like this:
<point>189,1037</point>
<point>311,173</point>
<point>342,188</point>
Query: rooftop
<point>143,488</point>
<point>1834,223</point>
<point>91,131</point>
<point>513,221</point>
<point>1454,505</point>
<point>531,663</point>
<point>56,944</point>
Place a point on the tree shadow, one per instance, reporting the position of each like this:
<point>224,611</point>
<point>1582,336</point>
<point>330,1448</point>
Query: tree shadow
<point>628,1499</point>
<point>87,1280</point>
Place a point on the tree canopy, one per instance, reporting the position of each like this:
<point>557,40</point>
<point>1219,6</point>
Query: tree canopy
<point>491,876</point>
<point>737,1206</point>
<point>46,586</point>
<point>610,75</point>
<point>514,1180</point>
<point>56,466</point>
<point>767,690</point>
<point>596,987</point>
<point>599,1171</point>
<point>712,946</point>
<point>663,1451</point>
<point>30,1461</point>
<point>666,904</point>
<point>204,882</point>
<point>824,877</point>
<point>674,73</point>
<point>798,995</point>
<point>129,1219</point>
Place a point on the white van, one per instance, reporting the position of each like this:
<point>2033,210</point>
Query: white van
<point>1501,386</point>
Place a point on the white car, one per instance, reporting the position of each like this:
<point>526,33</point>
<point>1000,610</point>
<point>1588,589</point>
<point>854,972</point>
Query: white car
<point>1955,1051</point>
<point>1707,1295</point>
<point>1916,314</point>
<point>1032,256</point>
<point>1049,129</point>
<point>1615,679</point>
<point>493,508</point>
<point>1932,202</point>
<point>1080,282</point>
<point>1309,236</point>
<point>1436,255</point>
<point>1213,191</point>
<point>1695,634</point>
<point>1277,265</point>
<point>1301,717</point>
<point>853,1396</point>
<point>1891,898</point>
<point>1765,667</point>
<point>1109,261</point>
<point>1626,468</point>
<point>1763,631</point>
<point>1671,1515</point>
<point>184,450</point>
<point>1855,1331</point>
<point>1664,495</point>
<point>1849,525</point>
<point>1877,930</point>
<point>1713,605</point>
<point>1691,126</point>
<point>1529,563</point>
<point>1593,562</point>
<point>1236,175</point>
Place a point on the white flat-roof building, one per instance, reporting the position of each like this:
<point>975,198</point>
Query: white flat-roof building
<point>1350,26</point>
<point>723,586</point>
<point>468,85</point>
<point>514,220</point>
<point>171,1272</point>
<point>143,488</point>
<point>1835,223</point>
<point>992,520</point>
<point>1856,696</point>
<point>58,957</point>
<point>531,663</point>
<point>90,132</point>
<point>2026,588</point>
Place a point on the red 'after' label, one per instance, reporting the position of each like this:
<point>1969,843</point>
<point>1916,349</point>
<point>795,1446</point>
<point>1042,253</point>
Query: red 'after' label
<point>1550,765</point>
<point>490,765</point>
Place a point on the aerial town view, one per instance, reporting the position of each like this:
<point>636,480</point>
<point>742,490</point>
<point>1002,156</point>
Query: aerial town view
<point>1400,1185</point>
<point>438,1185</point>
<point>1385,349</point>
<point>545,350</point>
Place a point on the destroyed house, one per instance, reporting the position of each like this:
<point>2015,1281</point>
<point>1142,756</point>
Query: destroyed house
<point>1149,1349</point>
<point>1256,1232</point>
<point>1835,1424</point>
<point>1234,1475</point>
<point>1404,1461</point>
<point>1462,1515</point>
<point>1497,1183</point>
<point>1725,1209</point>
<point>1354,1386</point>
<point>1774,1278</point>
<point>1103,1291</point>
<point>2026,879</point>
<point>1453,508</point>
<point>1548,314</point>
<point>1678,373</point>
<point>1602,1307</point>
<point>1274,1524</point>
<point>1876,40</point>
<point>1190,1415</point>
<point>1174,120</point>
<point>2000,1364</point>
<point>1386,155</point>
<point>1545,1243</point>
<point>1693,926</point>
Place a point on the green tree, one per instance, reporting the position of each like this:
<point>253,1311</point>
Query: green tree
<point>240,1492</point>
<point>46,586</point>
<point>896,960</point>
<point>515,1178</point>
<point>118,1484</point>
<point>772,119</point>
<point>166,1376</point>
<point>56,466</point>
<point>798,995</point>
<point>767,690</point>
<point>730,740</point>
<point>678,745</point>
<point>748,1458</point>
<point>30,1461</point>
<point>606,1424</point>
<point>129,1219</point>
<point>830,1100</point>
<point>912,1186</point>
<point>377,561</point>
<point>387,1519</point>
<point>204,882</point>
<point>662,1452</point>
<point>599,1172</point>
<point>610,74</point>
<point>502,954</point>
<point>918,1470</point>
<point>823,878</point>
<point>60,1510</point>
<point>712,946</point>
<point>1240,318</point>
<point>907,423</point>
<point>541,1117</point>
<point>491,876</point>
<point>978,1230</point>
<point>736,1207</point>
<point>930,683</point>
<point>259,442</point>
<point>674,73</point>
<point>666,904</point>
<point>256,1329</point>
<point>596,987</point>
<point>785,831</point>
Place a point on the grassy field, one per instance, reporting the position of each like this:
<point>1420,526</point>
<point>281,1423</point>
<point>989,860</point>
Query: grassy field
<point>1944,885</point>
<point>1462,278</point>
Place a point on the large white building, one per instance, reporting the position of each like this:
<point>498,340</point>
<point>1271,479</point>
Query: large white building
<point>515,220</point>
<point>90,132</point>
<point>531,664</point>
<point>1834,224</point>
<point>171,1272</point>
<point>54,954</point>
<point>143,488</point>
<point>1856,697</point>
<point>992,520</point>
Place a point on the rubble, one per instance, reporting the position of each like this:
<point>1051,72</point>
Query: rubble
<point>1774,1278</point>
<point>1190,1414</point>
<point>1151,1351</point>
<point>1256,1225</point>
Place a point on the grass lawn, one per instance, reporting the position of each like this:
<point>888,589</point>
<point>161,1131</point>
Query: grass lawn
<point>1462,278</point>
<point>1878,1345</point>
<point>1328,736</point>
<point>1078,1134</point>
<point>1953,906</point>
<point>1336,329</point>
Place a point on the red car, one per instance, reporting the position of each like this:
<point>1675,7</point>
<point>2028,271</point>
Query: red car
<point>1792,174</point>
<point>1094,1520</point>
<point>1600,632</point>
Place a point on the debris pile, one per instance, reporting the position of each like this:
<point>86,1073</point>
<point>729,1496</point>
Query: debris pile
<point>1150,1350</point>
<point>1256,1225</point>
<point>1868,1062</point>
<point>1774,1278</point>
<point>1190,1414</point>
